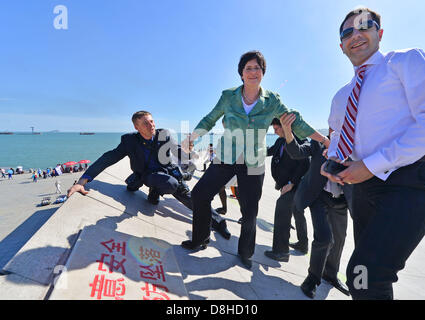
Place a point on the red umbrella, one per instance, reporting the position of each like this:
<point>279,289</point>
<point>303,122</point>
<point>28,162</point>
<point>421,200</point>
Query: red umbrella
<point>70,163</point>
<point>84,161</point>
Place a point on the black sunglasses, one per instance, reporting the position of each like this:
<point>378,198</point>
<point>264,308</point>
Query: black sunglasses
<point>345,34</point>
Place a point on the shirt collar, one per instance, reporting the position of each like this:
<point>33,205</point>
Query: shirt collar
<point>263,93</point>
<point>376,58</point>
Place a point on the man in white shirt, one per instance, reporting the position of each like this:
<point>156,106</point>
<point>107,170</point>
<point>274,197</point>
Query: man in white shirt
<point>386,163</point>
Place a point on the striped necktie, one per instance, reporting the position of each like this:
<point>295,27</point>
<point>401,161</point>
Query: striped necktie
<point>346,140</point>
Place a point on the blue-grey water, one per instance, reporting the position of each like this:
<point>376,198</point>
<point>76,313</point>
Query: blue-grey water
<point>48,149</point>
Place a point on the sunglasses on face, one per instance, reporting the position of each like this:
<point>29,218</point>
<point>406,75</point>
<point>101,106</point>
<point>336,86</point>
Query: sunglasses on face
<point>347,33</point>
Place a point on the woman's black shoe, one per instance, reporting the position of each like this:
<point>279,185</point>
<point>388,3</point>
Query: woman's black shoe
<point>189,245</point>
<point>246,262</point>
<point>309,286</point>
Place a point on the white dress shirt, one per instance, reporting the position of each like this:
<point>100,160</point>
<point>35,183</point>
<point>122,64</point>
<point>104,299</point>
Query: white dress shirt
<point>390,122</point>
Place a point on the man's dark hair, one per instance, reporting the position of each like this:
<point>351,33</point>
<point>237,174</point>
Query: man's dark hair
<point>375,16</point>
<point>139,114</point>
<point>276,121</point>
<point>248,57</point>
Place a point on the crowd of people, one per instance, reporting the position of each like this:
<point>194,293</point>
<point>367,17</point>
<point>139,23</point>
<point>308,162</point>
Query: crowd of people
<point>372,165</point>
<point>46,173</point>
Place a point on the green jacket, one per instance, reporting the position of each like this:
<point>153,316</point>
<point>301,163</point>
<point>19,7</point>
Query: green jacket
<point>246,134</point>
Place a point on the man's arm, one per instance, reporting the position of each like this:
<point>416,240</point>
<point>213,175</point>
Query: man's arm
<point>301,128</point>
<point>271,150</point>
<point>301,169</point>
<point>295,150</point>
<point>78,187</point>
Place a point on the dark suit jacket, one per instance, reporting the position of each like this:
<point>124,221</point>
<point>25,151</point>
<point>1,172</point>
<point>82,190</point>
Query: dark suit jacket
<point>284,168</point>
<point>313,182</point>
<point>131,146</point>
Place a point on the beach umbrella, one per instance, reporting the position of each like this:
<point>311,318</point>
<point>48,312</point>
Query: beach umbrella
<point>70,163</point>
<point>84,161</point>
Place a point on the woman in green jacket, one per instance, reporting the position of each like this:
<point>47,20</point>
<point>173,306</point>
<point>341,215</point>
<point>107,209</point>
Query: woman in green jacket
<point>248,111</point>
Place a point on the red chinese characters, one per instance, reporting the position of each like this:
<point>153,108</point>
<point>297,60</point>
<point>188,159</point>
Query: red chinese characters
<point>152,273</point>
<point>106,287</point>
<point>151,292</point>
<point>150,256</point>
<point>112,263</point>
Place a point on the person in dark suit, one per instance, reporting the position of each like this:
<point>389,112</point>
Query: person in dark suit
<point>287,174</point>
<point>150,160</point>
<point>328,207</point>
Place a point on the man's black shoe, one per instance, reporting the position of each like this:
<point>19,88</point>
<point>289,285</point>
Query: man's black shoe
<point>153,196</point>
<point>132,189</point>
<point>222,229</point>
<point>337,284</point>
<point>222,211</point>
<point>309,286</point>
<point>189,245</point>
<point>283,257</point>
<point>299,246</point>
<point>246,262</point>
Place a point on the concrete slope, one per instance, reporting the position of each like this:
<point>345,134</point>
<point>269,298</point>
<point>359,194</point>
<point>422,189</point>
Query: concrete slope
<point>214,273</point>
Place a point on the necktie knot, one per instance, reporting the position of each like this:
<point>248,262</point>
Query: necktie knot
<point>362,69</point>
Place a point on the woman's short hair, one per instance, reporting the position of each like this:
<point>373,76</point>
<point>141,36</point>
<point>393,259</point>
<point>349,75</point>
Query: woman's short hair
<point>248,57</point>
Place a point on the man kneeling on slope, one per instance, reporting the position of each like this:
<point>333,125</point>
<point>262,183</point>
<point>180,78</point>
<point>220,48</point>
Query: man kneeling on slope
<point>150,161</point>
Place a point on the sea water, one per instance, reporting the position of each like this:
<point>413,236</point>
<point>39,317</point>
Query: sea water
<point>46,150</point>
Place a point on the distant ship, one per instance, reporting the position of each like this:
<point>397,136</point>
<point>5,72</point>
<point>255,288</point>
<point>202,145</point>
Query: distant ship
<point>5,132</point>
<point>33,132</point>
<point>86,133</point>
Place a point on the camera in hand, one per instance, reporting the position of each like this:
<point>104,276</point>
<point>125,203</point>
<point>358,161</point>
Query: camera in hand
<point>175,172</point>
<point>333,167</point>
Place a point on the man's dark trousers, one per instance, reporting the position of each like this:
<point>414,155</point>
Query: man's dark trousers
<point>282,222</point>
<point>250,188</point>
<point>166,184</point>
<point>389,223</point>
<point>329,218</point>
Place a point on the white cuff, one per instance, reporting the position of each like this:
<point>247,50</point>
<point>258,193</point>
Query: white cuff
<point>378,165</point>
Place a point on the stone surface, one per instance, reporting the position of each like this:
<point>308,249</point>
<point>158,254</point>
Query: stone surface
<point>15,287</point>
<point>214,273</point>
<point>107,265</point>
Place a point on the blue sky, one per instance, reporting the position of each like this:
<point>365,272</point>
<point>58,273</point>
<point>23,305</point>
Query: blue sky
<point>174,57</point>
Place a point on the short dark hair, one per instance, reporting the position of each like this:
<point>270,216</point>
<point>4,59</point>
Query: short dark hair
<point>248,57</point>
<point>276,121</point>
<point>375,16</point>
<point>139,114</point>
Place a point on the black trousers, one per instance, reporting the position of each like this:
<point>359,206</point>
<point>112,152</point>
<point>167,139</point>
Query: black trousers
<point>250,188</point>
<point>284,210</point>
<point>329,218</point>
<point>389,223</point>
<point>166,184</point>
